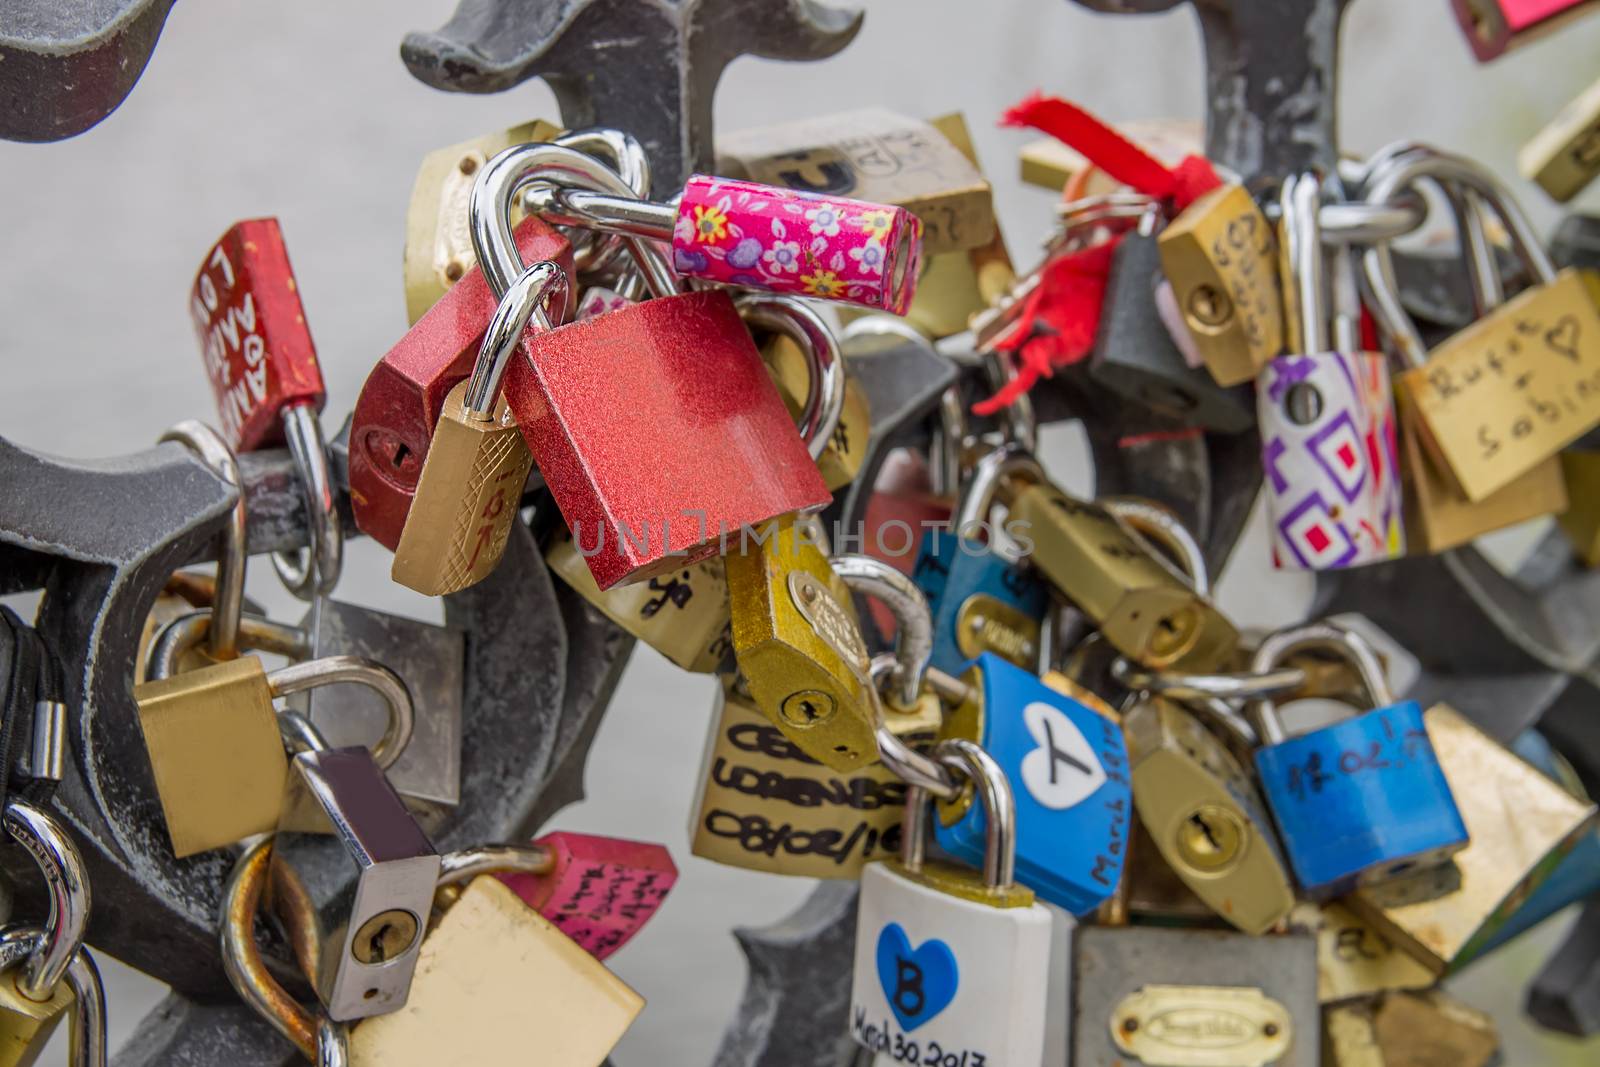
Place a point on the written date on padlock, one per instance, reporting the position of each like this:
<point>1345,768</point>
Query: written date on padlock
<point>1399,748</point>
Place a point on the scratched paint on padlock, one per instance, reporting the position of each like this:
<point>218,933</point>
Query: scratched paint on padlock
<point>768,806</point>
<point>1328,451</point>
<point>1513,389</point>
<point>600,891</point>
<point>253,336</point>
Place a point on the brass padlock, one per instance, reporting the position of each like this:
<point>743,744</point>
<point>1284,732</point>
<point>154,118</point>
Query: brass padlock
<point>847,444</point>
<point>1142,605</point>
<point>1220,255</point>
<point>1408,1030</point>
<point>1353,959</point>
<point>802,355</point>
<point>1205,816</point>
<point>799,645</point>
<point>471,482</point>
<point>1564,156</point>
<point>215,746</point>
<point>1581,521</point>
<point>1521,824</point>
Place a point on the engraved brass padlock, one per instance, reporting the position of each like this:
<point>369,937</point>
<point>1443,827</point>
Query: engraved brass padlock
<point>471,482</point>
<point>1564,156</point>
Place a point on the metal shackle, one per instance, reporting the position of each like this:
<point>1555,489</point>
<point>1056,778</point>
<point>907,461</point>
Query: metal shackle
<point>86,1039</point>
<point>67,884</point>
<point>255,634</point>
<point>592,251</point>
<point>824,405</point>
<point>465,864</point>
<point>1154,522</point>
<point>311,572</point>
<point>1347,644</point>
<point>987,483</point>
<point>332,670</point>
<point>913,643</point>
<point>541,294</point>
<point>1301,255</point>
<point>233,550</point>
<point>558,169</point>
<point>999,811</point>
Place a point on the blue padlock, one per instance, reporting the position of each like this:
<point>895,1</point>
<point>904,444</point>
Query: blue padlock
<point>1363,799</point>
<point>981,601</point>
<point>1068,764</point>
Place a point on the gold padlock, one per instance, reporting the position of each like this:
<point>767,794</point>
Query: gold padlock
<point>1353,959</point>
<point>1581,520</point>
<point>1408,1030</point>
<point>1511,390</point>
<point>1520,830</point>
<point>472,478</point>
<point>215,746</point>
<point>1146,610</point>
<point>1220,255</point>
<point>798,346</point>
<point>1564,156</point>
<point>799,646</point>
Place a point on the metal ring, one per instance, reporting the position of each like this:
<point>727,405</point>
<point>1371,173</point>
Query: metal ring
<point>465,864</point>
<point>999,806</point>
<point>299,734</point>
<point>594,252</point>
<point>68,886</point>
<point>1155,522</point>
<point>819,416</point>
<point>333,1043</point>
<point>542,284</point>
<point>993,468</point>
<point>328,670</point>
<point>914,621</point>
<point>87,1038</point>
<point>256,633</point>
<point>1280,681</point>
<point>1279,646</point>
<point>916,769</point>
<point>241,956</point>
<point>233,549</point>
<point>312,572</point>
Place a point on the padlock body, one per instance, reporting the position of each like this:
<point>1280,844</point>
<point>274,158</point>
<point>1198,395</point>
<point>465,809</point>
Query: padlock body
<point>431,660</point>
<point>391,428</point>
<point>26,1025</point>
<point>1361,800</point>
<point>821,246</point>
<point>1353,958</point>
<point>218,760</point>
<point>1145,610</point>
<point>1328,450</point>
<point>767,806</point>
<point>253,335</point>
<point>1404,1028</point>
<point>1494,27</point>
<point>1443,916</point>
<point>1135,356</point>
<point>682,614</point>
<point>1068,767</point>
<point>1580,521</point>
<point>939,978</point>
<point>658,432</point>
<point>1205,816</point>
<point>467,498</point>
<point>840,461</point>
<point>600,891</point>
<point>1564,156</point>
<point>981,602</point>
<point>1512,389</point>
<point>494,975</point>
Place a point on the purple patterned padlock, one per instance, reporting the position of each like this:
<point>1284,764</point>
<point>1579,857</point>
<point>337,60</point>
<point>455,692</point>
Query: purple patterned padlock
<point>745,233</point>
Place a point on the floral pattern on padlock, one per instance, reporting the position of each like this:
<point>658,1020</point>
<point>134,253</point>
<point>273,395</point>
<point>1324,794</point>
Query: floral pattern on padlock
<point>831,248</point>
<point>1328,452</point>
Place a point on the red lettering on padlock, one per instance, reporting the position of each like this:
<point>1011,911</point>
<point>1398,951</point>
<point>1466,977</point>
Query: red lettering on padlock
<point>659,431</point>
<point>400,403</point>
<point>253,336</point>
<point>601,890</point>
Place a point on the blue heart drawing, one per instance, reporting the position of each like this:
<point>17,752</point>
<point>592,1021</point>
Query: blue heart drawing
<point>919,984</point>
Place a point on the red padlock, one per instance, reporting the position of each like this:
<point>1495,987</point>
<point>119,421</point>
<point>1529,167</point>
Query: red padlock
<point>1494,27</point>
<point>659,431</point>
<point>900,511</point>
<point>253,335</point>
<point>599,891</point>
<point>401,400</point>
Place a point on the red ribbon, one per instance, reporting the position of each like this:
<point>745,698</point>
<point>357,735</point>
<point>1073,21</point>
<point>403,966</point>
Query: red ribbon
<point>1072,289</point>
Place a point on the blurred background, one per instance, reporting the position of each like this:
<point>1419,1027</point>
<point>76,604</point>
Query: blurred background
<point>304,111</point>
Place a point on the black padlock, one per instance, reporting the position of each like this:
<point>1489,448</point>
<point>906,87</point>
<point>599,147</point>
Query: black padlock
<point>1576,242</point>
<point>1135,356</point>
<point>1565,995</point>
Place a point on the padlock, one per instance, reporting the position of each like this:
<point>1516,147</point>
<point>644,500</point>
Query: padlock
<point>1205,816</point>
<point>599,891</point>
<point>1522,828</point>
<point>847,444</point>
<point>1326,421</point>
<point>907,692</point>
<point>590,394</point>
<point>1511,390</point>
<point>1408,1030</point>
<point>53,976</point>
<point>471,483</point>
<point>1438,517</point>
<point>799,645</point>
<point>1221,256</point>
<point>367,919</point>
<point>818,396</point>
<point>1576,243</point>
<point>215,747</point>
<point>871,154</point>
<point>1364,799</point>
<point>766,805</point>
<point>1073,800</point>
<point>950,967</point>
<point>1159,997</point>
<point>1564,156</point>
<point>1134,354</point>
<point>1494,27</point>
<point>392,425</point>
<point>432,662</point>
<point>1580,472</point>
<point>1353,959</point>
<point>1151,891</point>
<point>751,235</point>
<point>1144,608</point>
